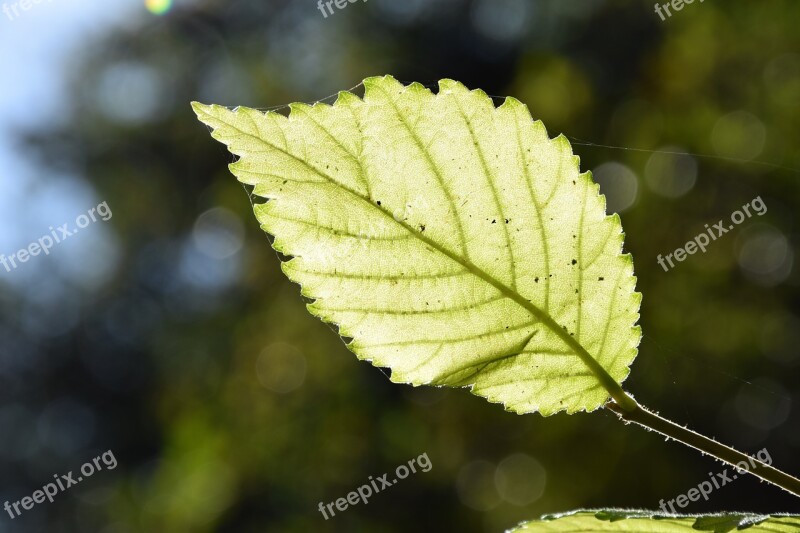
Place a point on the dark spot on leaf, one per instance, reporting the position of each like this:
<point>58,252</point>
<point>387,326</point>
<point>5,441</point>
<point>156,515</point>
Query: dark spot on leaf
<point>574,261</point>
<point>379,202</point>
<point>494,221</point>
<point>507,220</point>
<point>285,182</point>
<point>422,227</point>
<point>536,280</point>
<point>600,278</point>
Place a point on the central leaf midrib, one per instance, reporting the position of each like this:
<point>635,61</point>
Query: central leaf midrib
<point>594,366</point>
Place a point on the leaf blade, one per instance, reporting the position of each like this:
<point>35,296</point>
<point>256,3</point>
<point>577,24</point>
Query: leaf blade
<point>408,212</point>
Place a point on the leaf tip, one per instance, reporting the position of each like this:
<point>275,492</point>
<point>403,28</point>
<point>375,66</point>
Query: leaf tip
<point>200,109</point>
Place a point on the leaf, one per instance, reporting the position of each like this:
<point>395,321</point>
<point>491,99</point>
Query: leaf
<point>454,242</point>
<point>646,521</point>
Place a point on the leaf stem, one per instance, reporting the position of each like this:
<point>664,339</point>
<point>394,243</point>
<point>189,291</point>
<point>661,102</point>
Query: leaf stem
<point>650,420</point>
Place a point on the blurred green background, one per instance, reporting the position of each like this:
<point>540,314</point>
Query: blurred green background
<point>170,336</point>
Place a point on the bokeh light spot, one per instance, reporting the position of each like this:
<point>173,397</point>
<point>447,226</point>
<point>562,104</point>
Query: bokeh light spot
<point>739,135</point>
<point>475,486</point>
<point>281,368</point>
<point>671,173</point>
<point>765,255</point>
<point>765,404</point>
<point>130,92</point>
<point>520,479</point>
<point>501,20</point>
<point>218,233</point>
<point>619,185</point>
<point>158,7</point>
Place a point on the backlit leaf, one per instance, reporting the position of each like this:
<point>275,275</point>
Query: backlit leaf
<point>454,242</point>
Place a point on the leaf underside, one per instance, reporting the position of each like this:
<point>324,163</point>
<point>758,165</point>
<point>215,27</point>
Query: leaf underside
<point>454,242</point>
<point>611,520</point>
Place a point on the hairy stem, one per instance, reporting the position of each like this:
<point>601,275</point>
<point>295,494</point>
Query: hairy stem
<point>631,411</point>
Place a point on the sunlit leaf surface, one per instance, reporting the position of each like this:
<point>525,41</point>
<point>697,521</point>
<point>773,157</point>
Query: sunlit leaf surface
<point>454,242</point>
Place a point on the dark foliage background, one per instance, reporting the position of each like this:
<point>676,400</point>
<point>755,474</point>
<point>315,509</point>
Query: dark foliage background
<point>173,356</point>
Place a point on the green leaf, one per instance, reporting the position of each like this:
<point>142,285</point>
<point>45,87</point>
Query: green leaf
<point>454,242</point>
<point>646,521</point>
